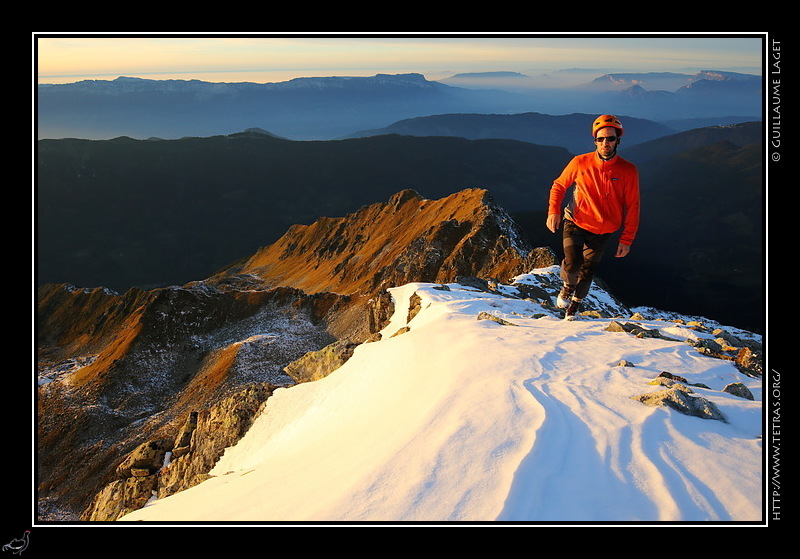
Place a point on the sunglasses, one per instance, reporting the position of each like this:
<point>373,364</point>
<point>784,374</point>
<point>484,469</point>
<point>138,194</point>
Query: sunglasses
<point>606,138</point>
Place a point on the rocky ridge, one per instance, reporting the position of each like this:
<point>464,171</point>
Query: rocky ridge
<point>129,381</point>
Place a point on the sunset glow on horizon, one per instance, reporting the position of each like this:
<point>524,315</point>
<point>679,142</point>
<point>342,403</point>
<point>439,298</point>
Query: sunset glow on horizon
<point>262,59</point>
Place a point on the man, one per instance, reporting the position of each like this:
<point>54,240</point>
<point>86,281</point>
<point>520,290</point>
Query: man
<point>605,198</point>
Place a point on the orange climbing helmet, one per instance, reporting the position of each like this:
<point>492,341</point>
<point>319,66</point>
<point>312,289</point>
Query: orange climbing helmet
<point>606,120</point>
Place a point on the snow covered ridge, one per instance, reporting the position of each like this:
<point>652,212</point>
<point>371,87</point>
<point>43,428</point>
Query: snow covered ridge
<point>529,418</point>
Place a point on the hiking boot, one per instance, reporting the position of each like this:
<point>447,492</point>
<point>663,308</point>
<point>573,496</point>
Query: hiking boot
<point>563,299</point>
<point>573,310</point>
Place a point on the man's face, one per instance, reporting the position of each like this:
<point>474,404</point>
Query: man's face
<point>606,141</point>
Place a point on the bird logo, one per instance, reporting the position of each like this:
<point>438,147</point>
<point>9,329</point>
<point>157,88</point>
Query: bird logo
<point>18,545</point>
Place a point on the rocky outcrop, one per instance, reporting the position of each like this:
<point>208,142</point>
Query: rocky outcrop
<point>121,497</point>
<point>746,355</point>
<point>216,429</point>
<point>315,365</point>
<point>160,468</point>
<point>483,315</point>
<point>739,389</point>
<point>677,395</point>
<point>680,398</point>
<point>145,460</point>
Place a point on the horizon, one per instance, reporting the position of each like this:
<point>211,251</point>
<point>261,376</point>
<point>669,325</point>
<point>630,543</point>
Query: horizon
<point>275,58</point>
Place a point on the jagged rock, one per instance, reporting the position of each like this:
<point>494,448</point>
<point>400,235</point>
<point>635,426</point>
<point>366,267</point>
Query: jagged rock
<point>136,485</point>
<point>664,381</point>
<point>679,398</point>
<point>677,378</point>
<point>705,345</point>
<point>696,325</point>
<point>147,457</point>
<point>749,362</point>
<point>625,363</point>
<point>212,431</point>
<point>670,382</point>
<point>634,329</point>
<point>120,497</point>
<point>315,365</point>
<point>402,330</point>
<point>615,326</point>
<point>182,443</point>
<point>594,313</point>
<point>414,306</point>
<point>642,332</point>
<point>530,291</point>
<point>217,428</point>
<point>729,338</point>
<point>483,315</point>
<point>379,311</point>
<point>738,389</point>
<point>475,282</point>
<point>725,345</point>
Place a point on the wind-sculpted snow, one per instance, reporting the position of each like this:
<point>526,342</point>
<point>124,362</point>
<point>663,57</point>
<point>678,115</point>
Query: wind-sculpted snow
<point>460,419</point>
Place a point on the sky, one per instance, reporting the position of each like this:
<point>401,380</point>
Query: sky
<point>64,58</point>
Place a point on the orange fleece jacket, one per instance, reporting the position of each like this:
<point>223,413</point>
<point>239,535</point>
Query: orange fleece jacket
<point>606,195</point>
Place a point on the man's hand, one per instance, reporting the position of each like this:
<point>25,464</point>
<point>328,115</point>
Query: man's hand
<point>553,221</point>
<point>622,250</point>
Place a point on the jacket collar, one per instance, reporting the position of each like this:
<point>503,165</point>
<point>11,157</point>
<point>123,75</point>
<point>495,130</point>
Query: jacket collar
<point>613,159</point>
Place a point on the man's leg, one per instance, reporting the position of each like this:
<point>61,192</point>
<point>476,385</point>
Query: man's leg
<point>583,251</point>
<point>571,264</point>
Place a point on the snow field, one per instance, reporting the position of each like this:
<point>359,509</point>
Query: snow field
<point>465,420</point>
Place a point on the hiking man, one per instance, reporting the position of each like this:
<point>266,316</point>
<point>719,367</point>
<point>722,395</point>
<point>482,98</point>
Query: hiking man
<point>605,198</point>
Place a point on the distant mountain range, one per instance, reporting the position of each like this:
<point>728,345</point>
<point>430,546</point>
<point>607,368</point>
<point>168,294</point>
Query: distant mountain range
<point>334,107</point>
<point>569,131</point>
<point>679,82</point>
<point>302,108</point>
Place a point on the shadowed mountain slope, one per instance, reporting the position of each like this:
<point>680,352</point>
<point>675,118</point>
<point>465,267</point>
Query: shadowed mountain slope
<point>122,213</point>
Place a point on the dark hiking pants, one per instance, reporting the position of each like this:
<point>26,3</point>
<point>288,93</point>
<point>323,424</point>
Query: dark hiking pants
<point>582,253</point>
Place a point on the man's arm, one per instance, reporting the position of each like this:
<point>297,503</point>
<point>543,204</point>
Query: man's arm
<point>553,221</point>
<point>560,186</point>
<point>622,250</point>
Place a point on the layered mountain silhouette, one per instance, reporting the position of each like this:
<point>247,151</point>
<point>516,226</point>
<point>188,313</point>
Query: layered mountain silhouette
<point>119,370</point>
<point>302,108</point>
<point>569,131</point>
<point>333,107</point>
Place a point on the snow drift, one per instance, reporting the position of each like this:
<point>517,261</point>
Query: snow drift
<point>466,420</point>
